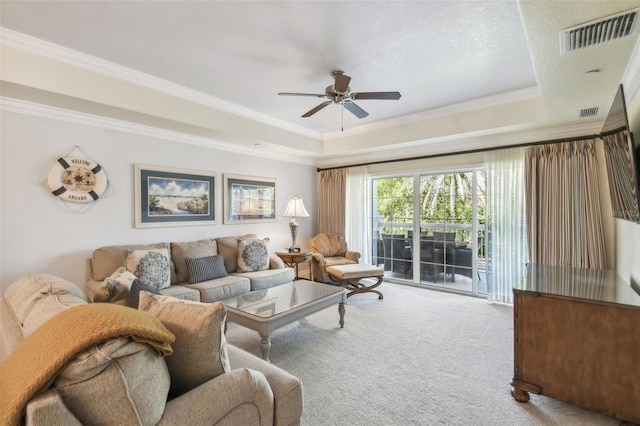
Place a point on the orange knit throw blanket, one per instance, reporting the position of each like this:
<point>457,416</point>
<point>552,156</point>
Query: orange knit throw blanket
<point>33,365</point>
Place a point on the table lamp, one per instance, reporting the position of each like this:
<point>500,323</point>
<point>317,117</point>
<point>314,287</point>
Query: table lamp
<point>294,209</point>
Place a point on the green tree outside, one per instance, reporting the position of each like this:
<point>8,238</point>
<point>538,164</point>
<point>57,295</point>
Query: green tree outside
<point>444,199</point>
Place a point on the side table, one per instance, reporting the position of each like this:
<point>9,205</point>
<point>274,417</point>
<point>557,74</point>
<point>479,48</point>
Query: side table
<point>293,259</point>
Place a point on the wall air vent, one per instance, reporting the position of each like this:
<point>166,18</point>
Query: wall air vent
<point>600,31</point>
<point>588,112</point>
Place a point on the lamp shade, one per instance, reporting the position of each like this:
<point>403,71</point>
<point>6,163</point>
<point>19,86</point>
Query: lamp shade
<point>295,208</point>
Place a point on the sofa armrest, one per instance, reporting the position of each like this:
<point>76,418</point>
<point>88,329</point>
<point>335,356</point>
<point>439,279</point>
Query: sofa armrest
<point>276,263</point>
<point>48,409</point>
<point>287,389</point>
<point>353,255</point>
<point>241,397</point>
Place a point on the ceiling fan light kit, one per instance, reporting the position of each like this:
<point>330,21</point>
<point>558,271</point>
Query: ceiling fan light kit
<point>340,93</point>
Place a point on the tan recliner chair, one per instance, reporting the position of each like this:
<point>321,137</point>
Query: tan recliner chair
<point>329,250</point>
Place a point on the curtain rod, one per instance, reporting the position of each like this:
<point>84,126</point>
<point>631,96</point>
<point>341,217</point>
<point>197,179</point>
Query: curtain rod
<point>470,151</point>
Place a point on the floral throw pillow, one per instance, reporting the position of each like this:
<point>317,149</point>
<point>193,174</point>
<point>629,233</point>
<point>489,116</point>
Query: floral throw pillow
<point>253,255</point>
<point>152,267</point>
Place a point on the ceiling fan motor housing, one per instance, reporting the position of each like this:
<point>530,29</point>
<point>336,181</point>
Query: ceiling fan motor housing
<point>340,93</point>
<point>337,97</point>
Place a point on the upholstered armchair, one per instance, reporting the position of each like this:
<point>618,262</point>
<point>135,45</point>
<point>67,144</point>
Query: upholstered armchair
<point>329,250</point>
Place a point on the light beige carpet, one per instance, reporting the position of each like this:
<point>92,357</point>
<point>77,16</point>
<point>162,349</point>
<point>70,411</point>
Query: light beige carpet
<point>418,357</point>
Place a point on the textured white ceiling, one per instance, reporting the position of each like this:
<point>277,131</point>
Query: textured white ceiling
<point>436,53</point>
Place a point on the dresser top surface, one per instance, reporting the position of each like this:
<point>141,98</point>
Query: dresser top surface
<point>578,283</point>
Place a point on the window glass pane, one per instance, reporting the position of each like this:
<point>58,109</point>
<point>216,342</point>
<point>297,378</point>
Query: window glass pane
<point>392,219</point>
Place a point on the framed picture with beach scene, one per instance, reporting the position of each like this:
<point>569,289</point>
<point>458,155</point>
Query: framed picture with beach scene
<point>173,197</point>
<point>249,199</point>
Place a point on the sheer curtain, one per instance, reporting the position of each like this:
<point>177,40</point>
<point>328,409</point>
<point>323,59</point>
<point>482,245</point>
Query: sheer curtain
<point>357,213</point>
<point>506,231</point>
<point>331,201</point>
<point>563,205</point>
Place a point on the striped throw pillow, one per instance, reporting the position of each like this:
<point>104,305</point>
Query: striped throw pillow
<point>205,268</point>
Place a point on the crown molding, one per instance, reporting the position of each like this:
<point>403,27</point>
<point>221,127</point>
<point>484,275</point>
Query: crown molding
<point>462,107</point>
<point>468,142</point>
<point>14,39</point>
<point>54,113</point>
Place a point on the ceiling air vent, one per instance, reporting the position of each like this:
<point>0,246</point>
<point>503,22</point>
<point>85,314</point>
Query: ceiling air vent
<point>588,112</point>
<point>599,31</point>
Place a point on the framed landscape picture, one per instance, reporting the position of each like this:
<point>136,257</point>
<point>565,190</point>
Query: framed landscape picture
<point>249,199</point>
<point>173,197</point>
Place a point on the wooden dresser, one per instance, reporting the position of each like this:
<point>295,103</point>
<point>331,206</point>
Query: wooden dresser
<point>577,339</point>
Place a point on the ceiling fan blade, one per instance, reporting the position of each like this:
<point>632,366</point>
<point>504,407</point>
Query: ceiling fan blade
<point>342,83</point>
<point>316,109</point>
<point>355,109</point>
<point>377,95</point>
<point>315,95</point>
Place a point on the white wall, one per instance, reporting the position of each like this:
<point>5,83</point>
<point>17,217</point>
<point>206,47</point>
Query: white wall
<point>38,235</point>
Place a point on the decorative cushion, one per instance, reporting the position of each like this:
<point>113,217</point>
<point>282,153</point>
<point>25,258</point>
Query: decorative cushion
<point>253,254</point>
<point>133,298</point>
<point>115,382</point>
<point>107,259</point>
<point>200,349</point>
<point>116,286</point>
<point>205,268</point>
<point>228,247</point>
<point>193,249</point>
<point>152,266</point>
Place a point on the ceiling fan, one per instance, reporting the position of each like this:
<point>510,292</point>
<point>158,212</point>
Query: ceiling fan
<point>340,93</point>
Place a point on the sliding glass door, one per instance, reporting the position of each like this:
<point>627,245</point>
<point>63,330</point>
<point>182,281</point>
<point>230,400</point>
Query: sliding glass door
<point>392,220</point>
<point>428,229</point>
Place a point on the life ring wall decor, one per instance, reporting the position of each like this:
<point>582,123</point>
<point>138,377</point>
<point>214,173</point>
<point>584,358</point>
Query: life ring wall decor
<point>77,180</point>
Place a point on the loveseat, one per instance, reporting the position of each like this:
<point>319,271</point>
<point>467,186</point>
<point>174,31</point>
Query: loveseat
<point>127,374</point>
<point>238,270</point>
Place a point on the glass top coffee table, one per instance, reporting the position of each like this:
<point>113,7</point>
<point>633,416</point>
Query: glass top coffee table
<point>269,309</point>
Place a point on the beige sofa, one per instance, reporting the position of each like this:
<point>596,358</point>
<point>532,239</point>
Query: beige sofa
<point>122,381</point>
<point>106,260</point>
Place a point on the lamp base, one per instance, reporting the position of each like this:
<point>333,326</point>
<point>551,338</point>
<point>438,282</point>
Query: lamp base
<point>293,226</point>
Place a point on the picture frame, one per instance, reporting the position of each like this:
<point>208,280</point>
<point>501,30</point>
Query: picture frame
<point>249,199</point>
<point>174,197</point>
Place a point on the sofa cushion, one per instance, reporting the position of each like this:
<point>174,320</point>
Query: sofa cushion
<point>220,288</point>
<point>114,383</point>
<point>200,348</point>
<point>24,295</point>
<point>228,247</point>
<point>338,260</point>
<point>205,268</point>
<point>195,249</point>
<point>268,278</point>
<point>181,292</point>
<point>253,254</point>
<point>151,266</point>
<point>107,259</point>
